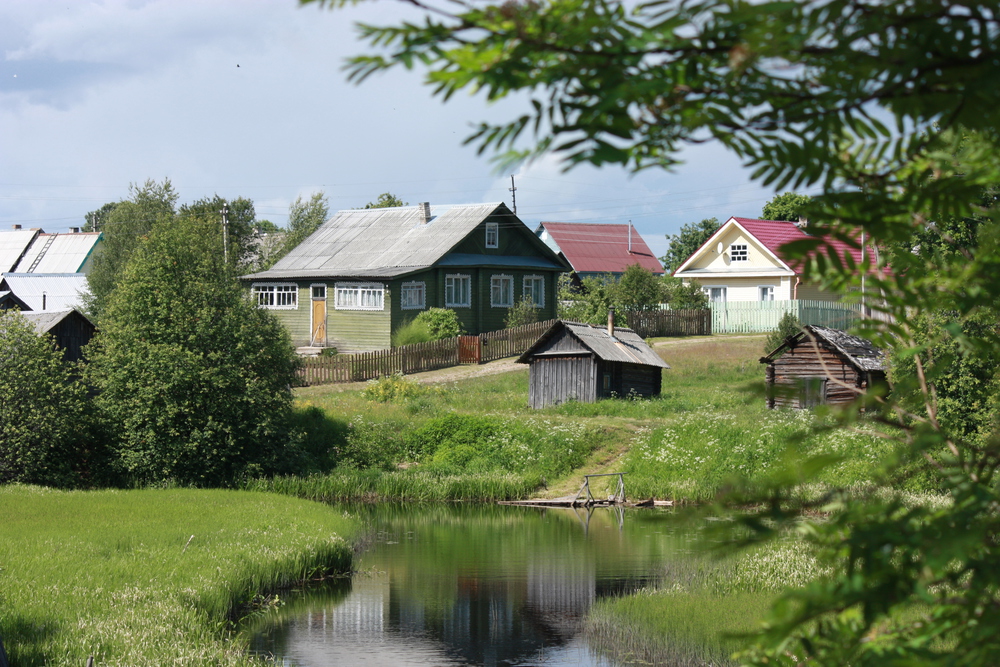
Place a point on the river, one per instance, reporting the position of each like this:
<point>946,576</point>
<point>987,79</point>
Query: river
<point>474,585</point>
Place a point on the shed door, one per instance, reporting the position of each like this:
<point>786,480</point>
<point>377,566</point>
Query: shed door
<point>318,337</point>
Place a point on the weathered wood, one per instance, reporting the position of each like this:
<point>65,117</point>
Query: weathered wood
<point>649,323</point>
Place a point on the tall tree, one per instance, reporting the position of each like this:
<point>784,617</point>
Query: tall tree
<point>800,92</point>
<point>304,217</point>
<point>194,377</point>
<point>241,224</point>
<point>788,206</point>
<point>148,205</point>
<point>683,245</point>
<point>386,200</point>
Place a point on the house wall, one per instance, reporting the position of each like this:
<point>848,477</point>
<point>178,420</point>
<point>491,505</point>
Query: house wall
<point>814,293</point>
<point>758,257</point>
<point>557,379</point>
<point>787,374</point>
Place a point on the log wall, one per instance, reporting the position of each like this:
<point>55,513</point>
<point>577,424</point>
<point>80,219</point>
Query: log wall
<point>788,374</point>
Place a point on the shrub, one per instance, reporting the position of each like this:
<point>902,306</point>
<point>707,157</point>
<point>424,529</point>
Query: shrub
<point>392,387</point>
<point>410,333</point>
<point>373,444</point>
<point>441,323</point>
<point>523,312</point>
<point>788,325</point>
<point>42,408</point>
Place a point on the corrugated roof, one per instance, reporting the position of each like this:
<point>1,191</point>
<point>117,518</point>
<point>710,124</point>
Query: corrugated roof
<point>62,291</point>
<point>58,253</point>
<point>627,346</point>
<point>48,320</point>
<point>859,351</point>
<point>775,233</point>
<point>600,247</point>
<point>382,242</point>
<point>13,245</point>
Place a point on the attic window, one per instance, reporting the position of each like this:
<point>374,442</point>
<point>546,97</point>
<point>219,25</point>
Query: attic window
<point>492,235</point>
<point>276,296</point>
<point>738,252</point>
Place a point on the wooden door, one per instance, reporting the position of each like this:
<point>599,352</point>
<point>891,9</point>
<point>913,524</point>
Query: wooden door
<point>318,337</point>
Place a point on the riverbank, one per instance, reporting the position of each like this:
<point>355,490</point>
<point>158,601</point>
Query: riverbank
<point>150,577</point>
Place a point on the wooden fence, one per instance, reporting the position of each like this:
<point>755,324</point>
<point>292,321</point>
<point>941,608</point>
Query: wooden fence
<point>418,357</point>
<point>649,323</point>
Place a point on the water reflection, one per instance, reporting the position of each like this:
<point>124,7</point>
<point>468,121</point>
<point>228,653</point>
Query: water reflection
<point>479,585</point>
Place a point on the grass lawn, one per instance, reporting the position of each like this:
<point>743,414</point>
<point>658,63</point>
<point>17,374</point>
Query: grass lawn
<point>151,577</point>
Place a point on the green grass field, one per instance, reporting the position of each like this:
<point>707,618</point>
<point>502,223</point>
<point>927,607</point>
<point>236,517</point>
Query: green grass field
<point>151,577</point>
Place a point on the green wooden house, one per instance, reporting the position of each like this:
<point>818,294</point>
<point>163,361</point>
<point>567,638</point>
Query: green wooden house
<point>365,272</point>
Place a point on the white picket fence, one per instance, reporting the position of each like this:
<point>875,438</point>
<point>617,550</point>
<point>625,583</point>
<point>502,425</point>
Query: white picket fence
<point>763,316</point>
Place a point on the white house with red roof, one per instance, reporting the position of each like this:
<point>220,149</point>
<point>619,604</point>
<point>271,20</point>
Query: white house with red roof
<point>595,249</point>
<point>743,261</point>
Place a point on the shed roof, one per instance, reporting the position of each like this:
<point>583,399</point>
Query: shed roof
<point>62,290</point>
<point>599,247</point>
<point>387,242</point>
<point>58,253</point>
<point>627,346</point>
<point>49,320</point>
<point>856,350</point>
<point>13,245</point>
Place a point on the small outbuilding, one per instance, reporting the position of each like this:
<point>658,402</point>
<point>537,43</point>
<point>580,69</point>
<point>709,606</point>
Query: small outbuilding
<point>70,329</point>
<point>582,362</point>
<point>821,366</point>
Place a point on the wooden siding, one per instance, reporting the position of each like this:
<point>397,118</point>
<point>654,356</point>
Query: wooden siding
<point>297,320</point>
<point>71,335</point>
<point>787,375</point>
<point>555,380</point>
<point>359,330</point>
<point>639,380</point>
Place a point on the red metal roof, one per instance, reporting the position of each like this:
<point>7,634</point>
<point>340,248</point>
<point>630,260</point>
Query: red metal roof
<point>775,233</point>
<point>601,248</point>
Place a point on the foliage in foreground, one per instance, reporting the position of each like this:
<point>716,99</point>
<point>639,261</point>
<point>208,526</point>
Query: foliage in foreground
<point>151,577</point>
<point>800,92</point>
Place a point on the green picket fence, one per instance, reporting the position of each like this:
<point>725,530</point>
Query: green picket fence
<point>763,316</point>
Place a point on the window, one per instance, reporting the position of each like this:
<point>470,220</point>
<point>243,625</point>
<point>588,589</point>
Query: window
<point>412,296</point>
<point>715,294</point>
<point>533,289</point>
<point>502,291</point>
<point>457,291</point>
<point>492,235</point>
<point>319,292</point>
<point>738,252</point>
<point>766,292</point>
<point>360,296</point>
<point>276,296</point>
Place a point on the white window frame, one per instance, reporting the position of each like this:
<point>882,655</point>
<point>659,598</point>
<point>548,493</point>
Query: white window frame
<point>492,235</point>
<point>707,289</point>
<point>359,296</point>
<point>528,291</point>
<point>407,292</point>
<point>497,284</point>
<point>739,252</point>
<point>276,296</point>
<point>453,280</point>
<point>767,295</point>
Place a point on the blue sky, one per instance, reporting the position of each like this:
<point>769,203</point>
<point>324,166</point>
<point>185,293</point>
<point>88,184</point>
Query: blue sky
<point>97,95</point>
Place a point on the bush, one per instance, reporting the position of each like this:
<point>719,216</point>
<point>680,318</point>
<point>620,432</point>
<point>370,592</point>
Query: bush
<point>42,408</point>
<point>410,333</point>
<point>441,323</point>
<point>392,387</point>
<point>523,312</point>
<point>788,325</point>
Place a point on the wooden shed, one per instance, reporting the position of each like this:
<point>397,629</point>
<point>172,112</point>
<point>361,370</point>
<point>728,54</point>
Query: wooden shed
<point>582,362</point>
<point>821,365</point>
<point>71,330</point>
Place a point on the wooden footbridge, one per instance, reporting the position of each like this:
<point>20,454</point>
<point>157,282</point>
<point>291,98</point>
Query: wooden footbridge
<point>585,498</point>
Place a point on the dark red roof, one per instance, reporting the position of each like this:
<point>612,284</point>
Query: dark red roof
<point>775,233</point>
<point>601,248</point>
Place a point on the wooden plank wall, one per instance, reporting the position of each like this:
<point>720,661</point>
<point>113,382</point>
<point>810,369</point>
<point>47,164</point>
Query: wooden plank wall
<point>649,323</point>
<point>803,362</point>
<point>555,380</point>
<point>642,380</point>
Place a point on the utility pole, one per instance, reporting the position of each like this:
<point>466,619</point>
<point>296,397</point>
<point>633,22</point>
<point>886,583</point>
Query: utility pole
<point>513,194</point>
<point>225,232</point>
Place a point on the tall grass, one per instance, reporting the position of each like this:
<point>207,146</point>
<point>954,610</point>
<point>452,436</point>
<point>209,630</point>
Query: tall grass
<point>151,577</point>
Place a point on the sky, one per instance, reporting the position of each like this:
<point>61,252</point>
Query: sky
<point>248,98</point>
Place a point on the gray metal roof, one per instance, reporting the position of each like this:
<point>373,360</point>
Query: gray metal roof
<point>859,351</point>
<point>12,246</point>
<point>58,253</point>
<point>627,346</point>
<point>381,242</point>
<point>62,291</point>
<point>48,320</point>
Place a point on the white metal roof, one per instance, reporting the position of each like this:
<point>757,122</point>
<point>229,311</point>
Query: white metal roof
<point>62,291</point>
<point>58,253</point>
<point>12,246</point>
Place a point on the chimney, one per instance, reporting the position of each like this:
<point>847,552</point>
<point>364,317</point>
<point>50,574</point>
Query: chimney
<point>17,228</point>
<point>425,212</point>
<point>611,321</point>
<point>43,300</point>
<point>74,230</point>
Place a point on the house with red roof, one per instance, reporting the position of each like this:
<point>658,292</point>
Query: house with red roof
<point>595,249</point>
<point>742,261</point>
